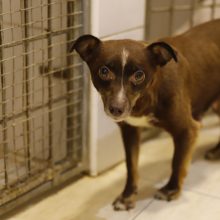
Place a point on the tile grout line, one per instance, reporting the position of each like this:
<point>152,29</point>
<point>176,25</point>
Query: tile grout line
<point>202,193</point>
<point>188,190</point>
<point>138,214</point>
<point>195,192</point>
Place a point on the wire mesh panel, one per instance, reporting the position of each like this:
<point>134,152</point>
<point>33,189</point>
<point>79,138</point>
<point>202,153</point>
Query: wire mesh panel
<point>168,17</point>
<point>42,95</point>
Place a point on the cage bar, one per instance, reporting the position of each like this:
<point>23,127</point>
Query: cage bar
<point>172,7</point>
<point>49,41</point>
<point>3,103</point>
<point>70,75</point>
<point>26,86</point>
<point>42,99</point>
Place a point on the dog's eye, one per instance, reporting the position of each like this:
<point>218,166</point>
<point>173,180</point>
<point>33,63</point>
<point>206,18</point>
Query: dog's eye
<point>138,77</point>
<point>105,74</point>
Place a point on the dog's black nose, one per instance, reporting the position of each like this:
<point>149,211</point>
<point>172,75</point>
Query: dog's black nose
<point>116,111</point>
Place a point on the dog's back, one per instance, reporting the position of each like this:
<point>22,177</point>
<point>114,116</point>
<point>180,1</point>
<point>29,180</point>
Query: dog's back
<point>200,48</point>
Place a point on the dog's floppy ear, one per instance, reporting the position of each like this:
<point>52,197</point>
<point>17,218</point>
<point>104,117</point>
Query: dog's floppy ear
<point>86,46</point>
<point>161,53</point>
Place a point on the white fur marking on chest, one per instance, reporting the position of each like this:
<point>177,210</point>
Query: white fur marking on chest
<point>143,121</point>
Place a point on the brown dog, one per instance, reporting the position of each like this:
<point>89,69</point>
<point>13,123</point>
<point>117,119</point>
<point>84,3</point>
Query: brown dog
<point>169,83</point>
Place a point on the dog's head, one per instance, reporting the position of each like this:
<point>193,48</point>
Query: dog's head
<point>121,69</point>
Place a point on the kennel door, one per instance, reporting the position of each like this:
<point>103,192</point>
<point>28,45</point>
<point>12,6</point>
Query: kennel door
<point>43,96</point>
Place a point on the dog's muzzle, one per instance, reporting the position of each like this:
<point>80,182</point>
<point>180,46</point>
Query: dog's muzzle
<point>118,111</point>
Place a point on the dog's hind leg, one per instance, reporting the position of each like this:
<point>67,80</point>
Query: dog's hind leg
<point>214,153</point>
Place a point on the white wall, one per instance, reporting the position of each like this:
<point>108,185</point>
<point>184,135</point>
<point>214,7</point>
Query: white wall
<point>111,19</point>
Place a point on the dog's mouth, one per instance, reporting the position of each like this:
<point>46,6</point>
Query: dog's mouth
<point>117,119</point>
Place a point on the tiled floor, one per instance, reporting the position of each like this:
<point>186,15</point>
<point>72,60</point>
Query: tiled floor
<point>90,198</point>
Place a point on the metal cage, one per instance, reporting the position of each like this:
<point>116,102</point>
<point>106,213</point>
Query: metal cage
<point>169,17</point>
<point>43,95</point>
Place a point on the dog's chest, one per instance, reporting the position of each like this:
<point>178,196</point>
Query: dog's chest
<point>143,121</point>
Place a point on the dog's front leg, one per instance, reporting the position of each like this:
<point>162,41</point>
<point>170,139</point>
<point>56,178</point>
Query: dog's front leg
<point>184,141</point>
<point>131,139</point>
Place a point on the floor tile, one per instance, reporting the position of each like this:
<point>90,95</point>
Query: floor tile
<point>155,159</point>
<point>204,177</point>
<point>109,214</point>
<point>189,206</point>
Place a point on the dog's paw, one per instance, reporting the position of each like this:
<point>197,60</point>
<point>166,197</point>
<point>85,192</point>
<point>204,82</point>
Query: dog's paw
<point>124,203</point>
<point>167,194</point>
<point>213,154</point>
